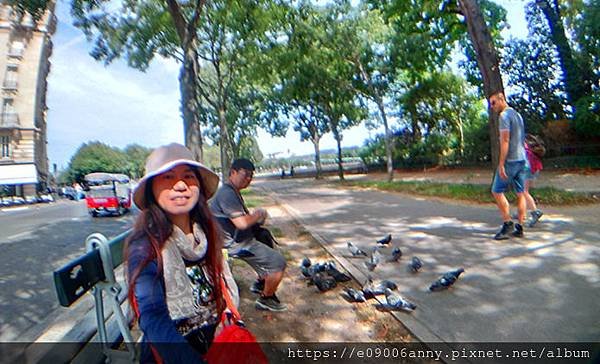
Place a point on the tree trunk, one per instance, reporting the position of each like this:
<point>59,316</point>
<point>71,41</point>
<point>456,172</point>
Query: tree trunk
<point>387,139</point>
<point>338,140</point>
<point>186,31</point>
<point>461,137</point>
<point>379,101</point>
<point>488,62</point>
<point>224,145</point>
<point>315,141</point>
<point>189,105</point>
<point>575,85</point>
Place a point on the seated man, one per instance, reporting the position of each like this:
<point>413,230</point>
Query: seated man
<point>238,224</point>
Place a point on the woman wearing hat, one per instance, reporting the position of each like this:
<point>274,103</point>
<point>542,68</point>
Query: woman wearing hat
<point>174,259</point>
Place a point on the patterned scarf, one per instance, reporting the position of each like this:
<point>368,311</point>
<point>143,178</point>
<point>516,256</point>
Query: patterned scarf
<point>182,291</point>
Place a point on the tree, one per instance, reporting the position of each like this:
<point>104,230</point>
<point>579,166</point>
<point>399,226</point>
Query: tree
<point>231,37</point>
<point>426,32</point>
<point>141,29</point>
<point>338,97</point>
<point>531,68</point>
<point>96,157</point>
<point>300,93</point>
<point>374,69</point>
<point>577,76</point>
<point>440,104</point>
<point>487,60</point>
<point>136,156</point>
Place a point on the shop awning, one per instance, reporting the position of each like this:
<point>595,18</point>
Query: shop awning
<point>17,174</point>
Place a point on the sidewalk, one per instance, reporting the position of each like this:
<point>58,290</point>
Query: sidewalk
<point>543,288</point>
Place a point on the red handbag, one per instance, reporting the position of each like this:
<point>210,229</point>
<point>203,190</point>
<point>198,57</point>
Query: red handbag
<point>234,344</point>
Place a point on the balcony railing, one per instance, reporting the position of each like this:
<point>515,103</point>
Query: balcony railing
<point>10,85</point>
<point>9,120</point>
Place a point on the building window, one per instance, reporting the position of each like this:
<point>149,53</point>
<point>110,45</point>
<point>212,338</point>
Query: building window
<point>5,145</point>
<point>10,79</point>
<point>16,49</point>
<point>9,118</point>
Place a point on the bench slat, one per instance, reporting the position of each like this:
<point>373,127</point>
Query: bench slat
<point>77,277</point>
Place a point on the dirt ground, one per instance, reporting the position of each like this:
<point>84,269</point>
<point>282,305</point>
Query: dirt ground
<point>312,316</point>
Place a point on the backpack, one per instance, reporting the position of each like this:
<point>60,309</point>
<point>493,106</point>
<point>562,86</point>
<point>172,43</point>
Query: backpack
<point>535,144</point>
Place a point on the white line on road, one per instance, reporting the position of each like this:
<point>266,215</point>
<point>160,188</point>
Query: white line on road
<point>25,234</point>
<point>12,209</point>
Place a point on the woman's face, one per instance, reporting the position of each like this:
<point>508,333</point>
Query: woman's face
<point>177,190</point>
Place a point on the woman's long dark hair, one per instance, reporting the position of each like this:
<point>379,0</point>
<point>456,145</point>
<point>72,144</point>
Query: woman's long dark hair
<point>154,225</point>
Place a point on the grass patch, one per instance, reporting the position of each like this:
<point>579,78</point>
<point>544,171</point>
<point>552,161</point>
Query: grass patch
<point>252,199</point>
<point>474,192</point>
<point>276,231</point>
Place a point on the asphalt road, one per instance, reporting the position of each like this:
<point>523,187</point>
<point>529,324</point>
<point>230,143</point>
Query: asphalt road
<point>34,242</point>
<point>542,288</point>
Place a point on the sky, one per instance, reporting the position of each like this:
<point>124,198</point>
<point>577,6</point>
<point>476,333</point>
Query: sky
<point>117,105</point>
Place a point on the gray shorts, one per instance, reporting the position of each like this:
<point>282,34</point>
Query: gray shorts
<point>265,260</point>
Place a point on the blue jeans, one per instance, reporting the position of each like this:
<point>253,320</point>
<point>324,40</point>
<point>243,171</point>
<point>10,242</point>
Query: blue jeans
<point>516,178</point>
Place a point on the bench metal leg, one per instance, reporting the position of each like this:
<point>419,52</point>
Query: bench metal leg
<point>112,290</point>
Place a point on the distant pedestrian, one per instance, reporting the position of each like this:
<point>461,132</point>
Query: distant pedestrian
<point>511,165</point>
<point>282,173</point>
<point>534,150</point>
<point>292,171</point>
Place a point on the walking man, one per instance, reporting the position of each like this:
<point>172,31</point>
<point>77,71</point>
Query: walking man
<point>238,225</point>
<point>511,165</point>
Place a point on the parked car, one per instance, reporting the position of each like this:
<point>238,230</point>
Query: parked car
<point>69,192</point>
<point>6,201</point>
<point>46,198</point>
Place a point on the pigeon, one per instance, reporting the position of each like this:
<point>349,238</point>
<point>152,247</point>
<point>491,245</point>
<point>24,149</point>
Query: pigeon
<point>319,267</point>
<point>323,281</point>
<point>353,295</point>
<point>373,260</point>
<point>397,302</point>
<point>306,272</point>
<point>388,284</point>
<point>396,254</point>
<point>368,288</point>
<point>446,280</point>
<point>385,241</point>
<point>306,262</point>
<point>371,290</point>
<point>309,271</point>
<point>331,269</point>
<point>355,251</point>
<point>415,264</point>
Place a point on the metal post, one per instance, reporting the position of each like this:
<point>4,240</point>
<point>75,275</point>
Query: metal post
<point>112,289</point>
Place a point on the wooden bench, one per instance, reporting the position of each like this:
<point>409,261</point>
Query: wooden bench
<point>95,272</point>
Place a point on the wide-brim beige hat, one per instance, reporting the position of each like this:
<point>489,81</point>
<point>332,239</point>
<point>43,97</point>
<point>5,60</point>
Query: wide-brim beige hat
<point>166,157</point>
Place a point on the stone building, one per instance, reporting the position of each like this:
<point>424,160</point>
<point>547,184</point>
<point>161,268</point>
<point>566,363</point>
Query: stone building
<point>25,49</point>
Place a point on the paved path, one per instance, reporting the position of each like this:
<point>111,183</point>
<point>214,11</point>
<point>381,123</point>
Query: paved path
<point>545,287</point>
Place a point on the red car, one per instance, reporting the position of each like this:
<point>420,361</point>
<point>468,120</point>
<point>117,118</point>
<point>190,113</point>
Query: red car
<point>109,193</point>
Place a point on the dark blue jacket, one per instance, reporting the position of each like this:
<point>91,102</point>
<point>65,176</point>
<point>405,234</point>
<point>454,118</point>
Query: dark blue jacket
<point>154,320</point>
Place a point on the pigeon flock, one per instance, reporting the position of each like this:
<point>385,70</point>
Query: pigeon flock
<point>325,276</point>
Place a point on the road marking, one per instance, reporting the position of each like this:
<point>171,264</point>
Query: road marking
<point>25,234</point>
<point>12,209</point>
